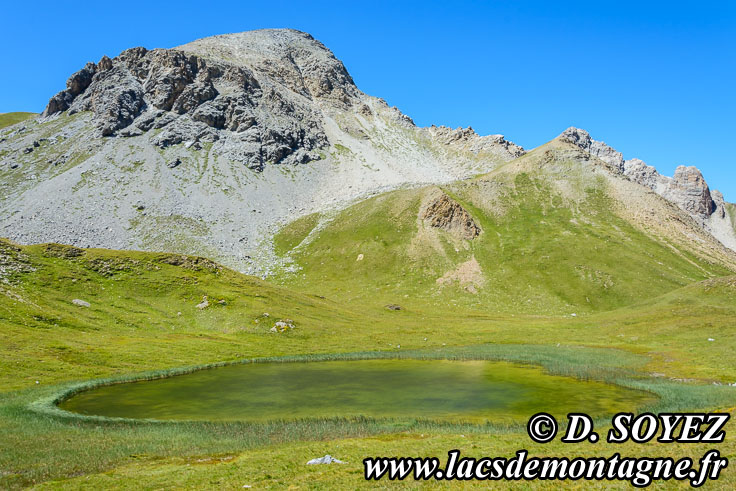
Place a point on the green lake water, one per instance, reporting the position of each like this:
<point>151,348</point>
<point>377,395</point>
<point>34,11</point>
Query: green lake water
<point>472,391</point>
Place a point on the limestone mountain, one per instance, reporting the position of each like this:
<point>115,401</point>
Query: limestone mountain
<point>559,230</point>
<point>687,189</point>
<point>211,147</point>
<point>208,147</point>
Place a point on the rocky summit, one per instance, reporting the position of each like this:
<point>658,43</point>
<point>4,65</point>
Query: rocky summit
<point>210,147</point>
<point>687,189</point>
<point>252,93</point>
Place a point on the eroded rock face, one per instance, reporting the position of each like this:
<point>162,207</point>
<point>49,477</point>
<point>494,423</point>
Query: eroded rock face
<point>719,203</point>
<point>468,139</point>
<point>447,214</point>
<point>255,91</point>
<point>689,190</point>
<point>582,139</point>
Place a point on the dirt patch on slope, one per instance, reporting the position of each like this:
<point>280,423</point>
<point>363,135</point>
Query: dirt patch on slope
<point>467,275</point>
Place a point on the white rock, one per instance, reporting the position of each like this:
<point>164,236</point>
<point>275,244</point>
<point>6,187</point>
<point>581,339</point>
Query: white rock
<point>327,459</point>
<point>81,303</point>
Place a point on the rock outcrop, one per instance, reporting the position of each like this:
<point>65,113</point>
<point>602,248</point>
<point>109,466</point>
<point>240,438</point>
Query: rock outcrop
<point>468,139</point>
<point>259,106</point>
<point>582,139</point>
<point>207,148</point>
<point>447,214</point>
<point>687,189</point>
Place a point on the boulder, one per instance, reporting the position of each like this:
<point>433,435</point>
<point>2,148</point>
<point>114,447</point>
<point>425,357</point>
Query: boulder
<point>447,214</point>
<point>327,459</point>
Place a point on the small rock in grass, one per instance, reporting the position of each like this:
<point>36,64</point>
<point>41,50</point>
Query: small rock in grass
<point>204,303</point>
<point>711,339</point>
<point>81,303</point>
<point>283,325</point>
<point>327,459</point>
<point>393,306</point>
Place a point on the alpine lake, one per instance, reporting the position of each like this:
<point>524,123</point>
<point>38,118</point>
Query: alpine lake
<point>401,389</point>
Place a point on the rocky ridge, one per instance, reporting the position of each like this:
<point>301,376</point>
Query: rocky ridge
<point>687,188</point>
<point>257,114</point>
<point>207,148</point>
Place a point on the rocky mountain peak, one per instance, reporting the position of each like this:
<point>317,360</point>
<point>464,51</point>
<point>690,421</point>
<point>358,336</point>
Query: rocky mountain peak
<point>257,93</point>
<point>293,58</point>
<point>583,140</point>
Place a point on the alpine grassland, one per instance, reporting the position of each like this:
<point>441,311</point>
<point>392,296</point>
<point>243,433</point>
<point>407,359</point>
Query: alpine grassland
<point>540,262</point>
<point>8,119</point>
<point>609,303</point>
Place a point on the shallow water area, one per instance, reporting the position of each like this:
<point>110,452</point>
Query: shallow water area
<point>440,390</point>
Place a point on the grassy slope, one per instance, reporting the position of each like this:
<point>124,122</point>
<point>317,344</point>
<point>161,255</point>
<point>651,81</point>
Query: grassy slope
<point>544,254</point>
<point>143,314</point>
<point>660,306</point>
<point>133,325</point>
<point>7,119</point>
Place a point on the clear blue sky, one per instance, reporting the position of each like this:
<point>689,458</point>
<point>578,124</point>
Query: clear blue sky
<point>655,80</point>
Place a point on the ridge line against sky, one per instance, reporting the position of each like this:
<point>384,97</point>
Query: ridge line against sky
<point>651,79</point>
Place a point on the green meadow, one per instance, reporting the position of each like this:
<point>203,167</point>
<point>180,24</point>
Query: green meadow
<point>8,119</point>
<point>569,287</point>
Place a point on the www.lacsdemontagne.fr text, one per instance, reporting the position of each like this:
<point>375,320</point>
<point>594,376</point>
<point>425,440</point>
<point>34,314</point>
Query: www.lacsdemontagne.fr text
<point>640,472</point>
<point>542,428</point>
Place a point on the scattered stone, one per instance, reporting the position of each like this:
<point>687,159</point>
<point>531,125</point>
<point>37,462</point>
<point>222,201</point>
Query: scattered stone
<point>283,325</point>
<point>393,306</point>
<point>174,163</point>
<point>81,303</point>
<point>193,144</point>
<point>327,459</point>
<point>204,303</point>
<point>360,257</point>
